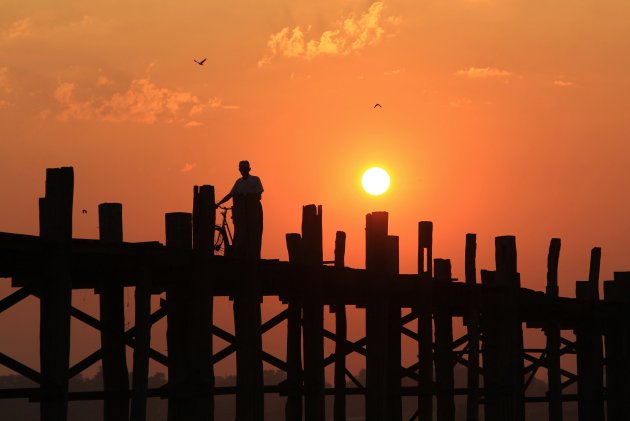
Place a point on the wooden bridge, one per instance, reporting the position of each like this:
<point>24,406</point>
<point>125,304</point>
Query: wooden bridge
<point>495,311</point>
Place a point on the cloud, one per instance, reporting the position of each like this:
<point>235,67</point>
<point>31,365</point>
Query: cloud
<point>394,72</point>
<point>217,102</point>
<point>460,102</point>
<point>188,167</point>
<point>192,124</point>
<point>5,85</point>
<point>352,34</point>
<point>4,104</point>
<point>563,83</point>
<point>483,73</point>
<point>103,81</point>
<point>143,102</point>
<point>19,29</point>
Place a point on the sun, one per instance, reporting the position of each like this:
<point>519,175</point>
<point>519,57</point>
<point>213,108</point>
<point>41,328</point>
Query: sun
<point>375,181</point>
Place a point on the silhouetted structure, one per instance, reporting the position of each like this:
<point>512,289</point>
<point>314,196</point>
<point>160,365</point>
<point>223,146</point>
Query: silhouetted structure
<point>52,265</point>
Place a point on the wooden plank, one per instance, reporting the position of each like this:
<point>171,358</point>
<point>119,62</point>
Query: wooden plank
<point>55,292</point>
<point>112,315</point>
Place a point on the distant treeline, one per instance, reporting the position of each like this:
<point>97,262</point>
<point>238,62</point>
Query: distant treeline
<point>23,410</point>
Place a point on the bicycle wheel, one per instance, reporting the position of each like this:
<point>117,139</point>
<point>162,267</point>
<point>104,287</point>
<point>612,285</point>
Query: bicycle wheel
<point>222,244</point>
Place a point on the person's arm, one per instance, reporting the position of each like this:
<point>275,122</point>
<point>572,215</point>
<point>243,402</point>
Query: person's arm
<point>225,199</point>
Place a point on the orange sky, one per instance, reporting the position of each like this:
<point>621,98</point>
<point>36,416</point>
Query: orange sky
<point>499,117</point>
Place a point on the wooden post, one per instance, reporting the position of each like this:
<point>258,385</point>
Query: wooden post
<point>425,245</point>
<point>425,325</point>
<point>294,408</point>
<point>588,339</point>
<point>472,325</point>
<point>204,218</point>
<point>201,303</point>
<point>247,327</point>
<point>313,313</point>
<point>617,337</point>
<point>142,343</point>
<point>376,320</point>
<point>55,293</point>
<point>112,313</point>
<point>341,334</point>
<point>444,357</point>
<point>552,331</point>
<point>394,352</point>
<point>503,340</point>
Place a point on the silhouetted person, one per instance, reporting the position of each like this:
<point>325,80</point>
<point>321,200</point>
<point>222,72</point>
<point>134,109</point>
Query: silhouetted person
<point>247,213</point>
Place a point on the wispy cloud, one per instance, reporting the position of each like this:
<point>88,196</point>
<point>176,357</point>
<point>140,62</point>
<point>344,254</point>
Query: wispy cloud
<point>483,73</point>
<point>103,81</point>
<point>188,167</point>
<point>563,83</point>
<point>193,123</point>
<point>394,72</point>
<point>351,34</point>
<point>217,102</point>
<point>5,85</point>
<point>142,102</point>
<point>19,29</point>
<point>4,104</point>
<point>460,102</point>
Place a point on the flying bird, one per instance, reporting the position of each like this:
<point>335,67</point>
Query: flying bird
<point>200,62</point>
<point>378,105</point>
<point>84,211</point>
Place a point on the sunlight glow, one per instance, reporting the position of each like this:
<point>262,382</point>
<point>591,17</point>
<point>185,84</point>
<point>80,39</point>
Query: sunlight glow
<point>375,181</point>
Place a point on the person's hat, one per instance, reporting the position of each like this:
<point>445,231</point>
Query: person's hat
<point>244,164</point>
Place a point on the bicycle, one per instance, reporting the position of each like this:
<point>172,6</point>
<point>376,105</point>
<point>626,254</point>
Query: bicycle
<point>223,238</point>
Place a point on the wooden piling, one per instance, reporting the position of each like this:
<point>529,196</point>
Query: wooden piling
<point>444,356</point>
<point>425,324</point>
<point>503,339</point>
<point>588,341</point>
<point>377,407</point>
<point>313,314</point>
<point>112,315</point>
<point>425,247</point>
<point>394,351</point>
<point>142,344</point>
<point>341,329</point>
<point>472,325</point>
<point>552,331</point>
<point>204,218</point>
<point>55,293</point>
<point>247,328</point>
<point>617,341</point>
<point>294,406</point>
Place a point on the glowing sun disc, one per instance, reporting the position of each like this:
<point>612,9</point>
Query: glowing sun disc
<point>375,181</point>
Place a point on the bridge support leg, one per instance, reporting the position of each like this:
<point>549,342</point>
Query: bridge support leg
<point>112,310</point>
<point>55,294</point>
<point>503,339</point>
<point>444,358</point>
